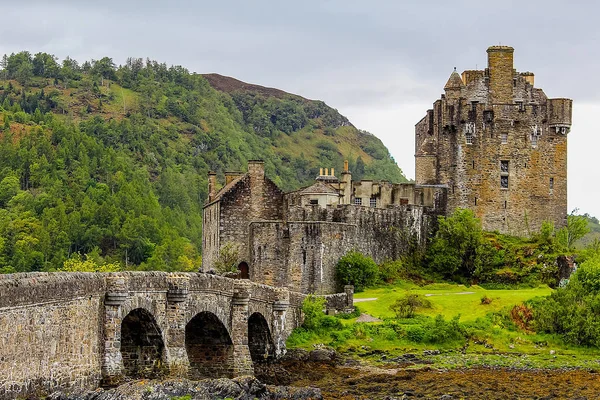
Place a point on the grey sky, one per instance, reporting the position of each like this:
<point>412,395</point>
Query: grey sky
<point>379,62</point>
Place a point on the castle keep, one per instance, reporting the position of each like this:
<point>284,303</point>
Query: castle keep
<point>499,145</point>
<point>295,239</point>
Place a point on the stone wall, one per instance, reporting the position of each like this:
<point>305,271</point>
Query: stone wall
<point>50,332</point>
<point>62,331</point>
<point>302,252</point>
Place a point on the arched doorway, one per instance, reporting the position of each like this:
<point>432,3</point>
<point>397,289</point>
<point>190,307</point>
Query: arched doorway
<point>260,342</point>
<point>142,345</point>
<point>244,270</point>
<point>209,347</point>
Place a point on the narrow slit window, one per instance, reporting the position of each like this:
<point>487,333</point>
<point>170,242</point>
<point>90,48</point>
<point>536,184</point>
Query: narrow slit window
<point>551,183</point>
<point>475,200</point>
<point>473,164</point>
<point>314,202</point>
<point>505,204</point>
<point>534,140</point>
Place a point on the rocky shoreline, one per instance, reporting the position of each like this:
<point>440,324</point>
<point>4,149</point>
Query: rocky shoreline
<point>324,374</point>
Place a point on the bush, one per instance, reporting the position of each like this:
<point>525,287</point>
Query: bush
<point>314,318</point>
<point>389,271</point>
<point>228,258</point>
<point>572,312</point>
<point>486,300</point>
<point>357,269</point>
<point>406,306</point>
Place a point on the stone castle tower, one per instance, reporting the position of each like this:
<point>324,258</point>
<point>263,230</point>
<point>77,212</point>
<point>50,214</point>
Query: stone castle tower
<point>500,146</point>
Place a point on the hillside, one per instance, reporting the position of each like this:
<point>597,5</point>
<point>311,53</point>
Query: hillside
<point>112,161</point>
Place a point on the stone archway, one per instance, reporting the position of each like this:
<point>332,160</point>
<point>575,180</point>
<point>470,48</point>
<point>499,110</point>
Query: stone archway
<point>209,347</point>
<point>142,345</point>
<point>244,270</point>
<point>260,341</point>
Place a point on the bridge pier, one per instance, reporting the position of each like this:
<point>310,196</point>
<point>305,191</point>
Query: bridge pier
<point>112,363</point>
<point>279,315</point>
<point>242,361</point>
<point>176,355</point>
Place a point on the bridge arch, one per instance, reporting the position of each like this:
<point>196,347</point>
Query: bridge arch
<point>260,340</point>
<point>209,347</point>
<point>142,345</point>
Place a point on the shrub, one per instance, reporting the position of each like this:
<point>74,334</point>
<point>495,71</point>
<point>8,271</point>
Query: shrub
<point>314,318</point>
<point>357,269</point>
<point>572,311</point>
<point>228,258</point>
<point>389,271</point>
<point>486,300</point>
<point>406,306</point>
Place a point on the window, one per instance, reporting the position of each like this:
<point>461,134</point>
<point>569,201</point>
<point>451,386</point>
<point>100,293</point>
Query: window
<point>534,140</point>
<point>357,201</point>
<point>504,138</point>
<point>521,106</point>
<point>473,164</point>
<point>474,105</point>
<point>314,202</point>
<point>551,183</point>
<point>373,202</point>
<point>469,138</point>
<point>475,200</point>
<point>504,174</point>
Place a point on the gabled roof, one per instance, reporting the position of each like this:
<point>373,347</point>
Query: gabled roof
<point>228,187</point>
<point>318,187</point>
<point>455,81</point>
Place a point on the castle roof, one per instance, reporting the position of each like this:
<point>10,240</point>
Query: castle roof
<point>455,81</point>
<point>319,187</point>
<point>228,187</point>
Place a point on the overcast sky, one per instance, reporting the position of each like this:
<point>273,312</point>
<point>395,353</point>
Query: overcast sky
<point>381,63</point>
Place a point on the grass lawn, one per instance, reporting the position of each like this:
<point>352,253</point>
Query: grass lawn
<point>447,299</point>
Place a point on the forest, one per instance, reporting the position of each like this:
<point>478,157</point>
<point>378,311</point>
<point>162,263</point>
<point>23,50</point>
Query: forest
<point>108,164</point>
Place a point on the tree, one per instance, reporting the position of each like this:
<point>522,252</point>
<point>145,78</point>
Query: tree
<point>356,269</point>
<point>577,227</point>
<point>3,66</point>
<point>457,248</point>
<point>228,258</point>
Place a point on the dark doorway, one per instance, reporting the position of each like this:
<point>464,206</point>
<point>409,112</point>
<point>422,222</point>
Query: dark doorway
<point>260,342</point>
<point>209,347</point>
<point>244,270</point>
<point>142,345</point>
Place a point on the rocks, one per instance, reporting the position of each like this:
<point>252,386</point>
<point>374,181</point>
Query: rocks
<point>322,355</point>
<point>239,388</point>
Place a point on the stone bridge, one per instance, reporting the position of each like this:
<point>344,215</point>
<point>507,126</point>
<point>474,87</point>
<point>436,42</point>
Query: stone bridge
<point>64,331</point>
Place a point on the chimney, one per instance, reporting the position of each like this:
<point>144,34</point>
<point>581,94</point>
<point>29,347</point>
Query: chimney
<point>320,171</point>
<point>326,171</point>
<point>256,169</point>
<point>332,174</point>
<point>212,185</point>
<point>345,166</point>
<point>231,176</point>
<point>501,74</point>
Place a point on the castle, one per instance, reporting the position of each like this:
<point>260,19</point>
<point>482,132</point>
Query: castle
<point>295,239</point>
<point>499,145</point>
<point>493,143</point>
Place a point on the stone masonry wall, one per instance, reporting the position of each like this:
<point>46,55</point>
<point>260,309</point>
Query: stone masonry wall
<point>62,331</point>
<point>301,253</point>
<point>50,332</point>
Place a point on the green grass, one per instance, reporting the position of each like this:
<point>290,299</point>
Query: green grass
<point>447,299</point>
<point>493,339</point>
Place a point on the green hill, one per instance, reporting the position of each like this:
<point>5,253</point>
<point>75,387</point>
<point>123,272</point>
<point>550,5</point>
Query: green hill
<point>112,161</point>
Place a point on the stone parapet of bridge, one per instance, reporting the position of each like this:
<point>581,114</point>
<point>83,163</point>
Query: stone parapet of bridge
<point>63,331</point>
